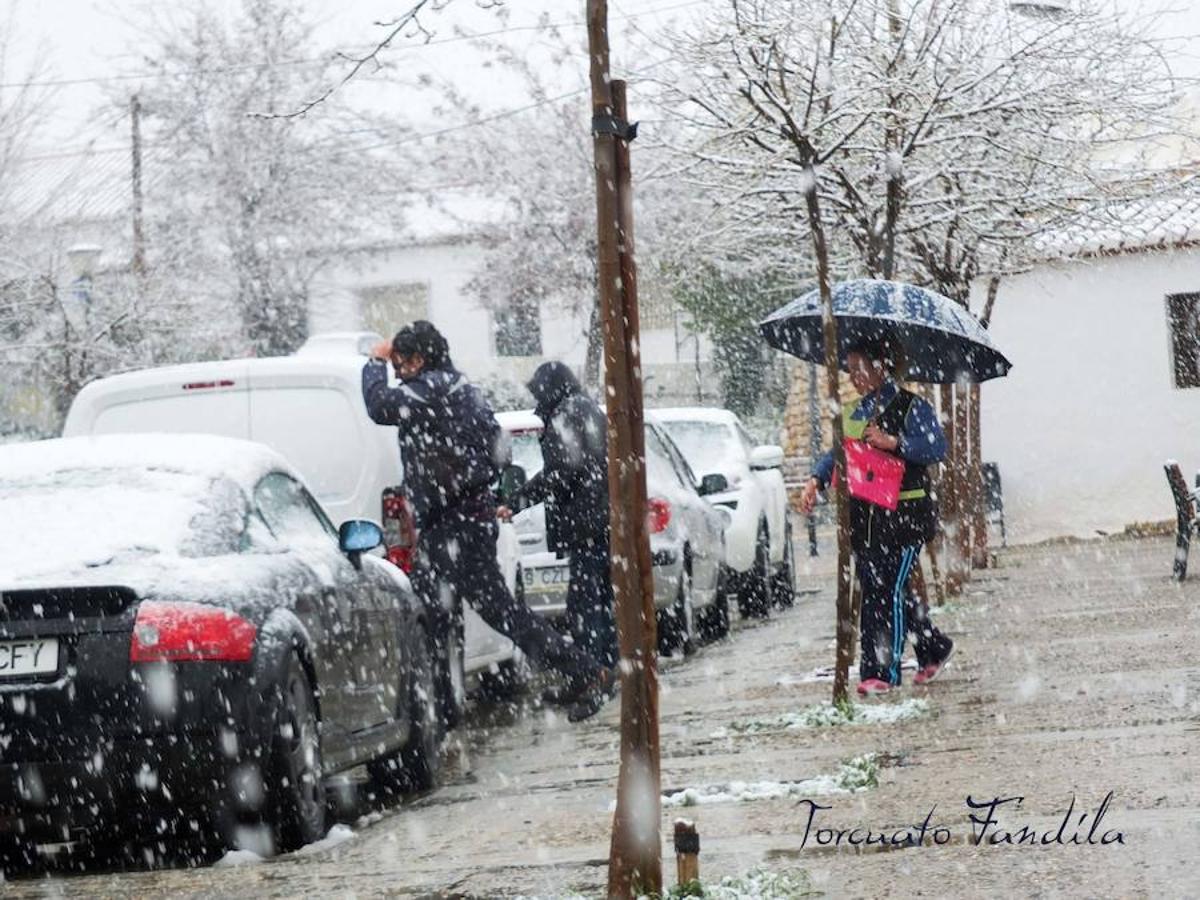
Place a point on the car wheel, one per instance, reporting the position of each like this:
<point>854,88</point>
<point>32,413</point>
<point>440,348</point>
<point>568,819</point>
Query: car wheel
<point>505,681</point>
<point>713,620</point>
<point>17,855</point>
<point>783,582</point>
<point>451,675</point>
<point>754,595</point>
<point>510,678</point>
<point>409,767</point>
<point>422,754</point>
<point>298,788</point>
<point>677,625</point>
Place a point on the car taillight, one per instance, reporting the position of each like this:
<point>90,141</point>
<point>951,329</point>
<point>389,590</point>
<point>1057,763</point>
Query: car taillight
<point>401,557</point>
<point>165,631</point>
<point>399,529</point>
<point>658,515</point>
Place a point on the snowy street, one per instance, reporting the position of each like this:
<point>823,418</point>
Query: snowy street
<point>1075,674</point>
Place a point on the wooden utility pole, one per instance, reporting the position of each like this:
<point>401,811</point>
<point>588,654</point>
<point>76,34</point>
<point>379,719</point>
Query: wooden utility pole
<point>635,854</point>
<point>139,236</point>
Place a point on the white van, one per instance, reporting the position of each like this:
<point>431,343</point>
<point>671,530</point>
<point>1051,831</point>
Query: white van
<point>309,408</point>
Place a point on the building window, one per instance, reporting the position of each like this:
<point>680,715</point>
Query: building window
<point>518,330</point>
<point>389,307</point>
<point>656,307</point>
<point>1183,320</point>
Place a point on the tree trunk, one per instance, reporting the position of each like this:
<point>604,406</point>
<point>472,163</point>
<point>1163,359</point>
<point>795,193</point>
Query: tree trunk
<point>949,496</point>
<point>595,346</point>
<point>962,476</point>
<point>845,614</point>
<point>979,533</point>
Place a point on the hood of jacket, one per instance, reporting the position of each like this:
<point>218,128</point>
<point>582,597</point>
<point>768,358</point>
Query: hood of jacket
<point>551,384</point>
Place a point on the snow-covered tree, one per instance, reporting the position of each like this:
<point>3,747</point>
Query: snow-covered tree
<point>930,141</point>
<point>258,200</point>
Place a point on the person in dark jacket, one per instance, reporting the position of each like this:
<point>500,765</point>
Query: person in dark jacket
<point>448,442</point>
<point>886,543</point>
<point>573,484</point>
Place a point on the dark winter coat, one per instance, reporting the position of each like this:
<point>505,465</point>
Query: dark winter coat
<point>448,438</point>
<point>910,418</point>
<point>573,481</point>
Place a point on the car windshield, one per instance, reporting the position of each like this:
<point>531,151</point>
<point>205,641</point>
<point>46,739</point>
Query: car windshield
<point>527,452</point>
<point>78,518</point>
<point>707,446</point>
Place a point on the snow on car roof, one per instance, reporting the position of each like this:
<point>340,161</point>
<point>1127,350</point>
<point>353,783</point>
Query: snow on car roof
<point>243,462</point>
<point>694,414</point>
<point>519,420</point>
<point>321,363</point>
<point>346,343</point>
<point>144,505</point>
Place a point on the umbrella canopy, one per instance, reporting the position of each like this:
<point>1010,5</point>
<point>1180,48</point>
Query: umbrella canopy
<point>942,341</point>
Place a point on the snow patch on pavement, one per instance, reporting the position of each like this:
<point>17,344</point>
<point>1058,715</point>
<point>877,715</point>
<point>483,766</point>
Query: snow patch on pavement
<point>852,777</point>
<point>757,884</point>
<point>238,858</point>
<point>760,884</point>
<point>823,674</point>
<point>338,834</point>
<point>827,715</point>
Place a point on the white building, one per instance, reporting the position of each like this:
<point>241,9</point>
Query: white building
<point>424,274</point>
<point>421,272</point>
<point>1105,384</point>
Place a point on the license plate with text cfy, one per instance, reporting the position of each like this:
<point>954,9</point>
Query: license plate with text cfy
<point>35,656</point>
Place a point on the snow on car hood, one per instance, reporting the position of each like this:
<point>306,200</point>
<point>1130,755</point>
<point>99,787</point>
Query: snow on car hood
<point>709,447</point>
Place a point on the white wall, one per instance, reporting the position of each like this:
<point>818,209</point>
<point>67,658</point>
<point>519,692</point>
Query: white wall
<point>1085,420</point>
<point>447,268</point>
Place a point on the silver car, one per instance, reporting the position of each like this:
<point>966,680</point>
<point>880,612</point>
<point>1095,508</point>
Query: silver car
<point>687,541</point>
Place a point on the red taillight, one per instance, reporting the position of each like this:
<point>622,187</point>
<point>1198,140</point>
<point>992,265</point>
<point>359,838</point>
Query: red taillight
<point>401,557</point>
<point>658,515</point>
<point>189,632</point>
<point>399,530</point>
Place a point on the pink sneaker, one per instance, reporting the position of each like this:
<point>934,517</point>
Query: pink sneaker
<point>873,686</point>
<point>932,670</point>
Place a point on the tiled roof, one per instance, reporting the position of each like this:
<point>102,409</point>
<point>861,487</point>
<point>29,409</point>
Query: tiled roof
<point>1163,221</point>
<point>54,190</point>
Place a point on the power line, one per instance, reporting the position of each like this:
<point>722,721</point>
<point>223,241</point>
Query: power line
<point>329,59</point>
<point>407,139</point>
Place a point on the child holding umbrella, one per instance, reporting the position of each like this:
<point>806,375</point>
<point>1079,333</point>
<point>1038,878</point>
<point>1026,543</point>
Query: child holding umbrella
<point>892,513</point>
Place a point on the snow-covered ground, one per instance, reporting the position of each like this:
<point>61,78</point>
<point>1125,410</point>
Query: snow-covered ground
<point>1085,684</point>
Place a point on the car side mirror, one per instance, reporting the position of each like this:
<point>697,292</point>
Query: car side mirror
<point>512,479</point>
<point>768,456</point>
<point>713,483</point>
<point>357,536</point>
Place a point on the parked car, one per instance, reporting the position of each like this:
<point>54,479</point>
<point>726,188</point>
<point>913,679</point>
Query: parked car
<point>744,478</point>
<point>686,541</point>
<point>309,408</point>
<point>189,645</point>
<point>545,574</point>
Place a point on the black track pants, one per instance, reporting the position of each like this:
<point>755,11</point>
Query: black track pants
<point>456,563</point>
<point>890,611</point>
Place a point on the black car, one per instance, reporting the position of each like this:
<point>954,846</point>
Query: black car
<point>189,647</point>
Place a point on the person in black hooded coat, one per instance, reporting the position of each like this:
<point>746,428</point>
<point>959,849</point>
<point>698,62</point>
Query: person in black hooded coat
<point>573,484</point>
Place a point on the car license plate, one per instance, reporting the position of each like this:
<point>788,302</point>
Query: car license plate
<point>35,656</point>
<point>546,578</point>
